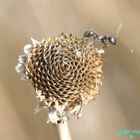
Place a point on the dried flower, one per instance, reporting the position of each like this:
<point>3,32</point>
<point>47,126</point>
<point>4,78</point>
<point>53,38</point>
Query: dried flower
<point>65,71</point>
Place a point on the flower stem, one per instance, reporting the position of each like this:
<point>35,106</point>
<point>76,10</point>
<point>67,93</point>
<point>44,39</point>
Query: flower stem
<point>64,133</point>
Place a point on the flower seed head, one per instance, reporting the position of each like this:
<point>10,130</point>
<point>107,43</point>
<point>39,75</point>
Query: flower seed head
<point>66,73</point>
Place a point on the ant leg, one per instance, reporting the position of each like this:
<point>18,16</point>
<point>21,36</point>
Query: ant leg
<point>103,39</point>
<point>104,45</point>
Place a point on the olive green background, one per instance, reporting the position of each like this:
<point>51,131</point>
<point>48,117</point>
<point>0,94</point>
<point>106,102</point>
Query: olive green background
<point>118,106</point>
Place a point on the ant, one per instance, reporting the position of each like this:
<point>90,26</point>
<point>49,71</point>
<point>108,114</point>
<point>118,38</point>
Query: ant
<point>102,38</point>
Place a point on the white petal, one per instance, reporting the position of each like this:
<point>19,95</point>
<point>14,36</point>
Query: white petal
<point>79,115</point>
<point>20,68</point>
<point>25,77</point>
<point>22,58</point>
<point>35,42</point>
<point>53,117</point>
<point>42,97</point>
<point>101,51</point>
<point>38,92</point>
<point>57,114</point>
<point>28,49</point>
<point>78,53</point>
<point>39,106</point>
<point>77,110</point>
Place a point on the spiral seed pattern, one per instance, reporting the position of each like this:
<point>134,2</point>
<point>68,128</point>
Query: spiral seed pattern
<point>66,73</point>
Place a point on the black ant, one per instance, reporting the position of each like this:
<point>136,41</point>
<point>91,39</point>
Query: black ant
<point>102,38</point>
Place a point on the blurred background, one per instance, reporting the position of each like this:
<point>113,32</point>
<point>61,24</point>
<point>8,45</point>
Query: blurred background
<point>118,106</point>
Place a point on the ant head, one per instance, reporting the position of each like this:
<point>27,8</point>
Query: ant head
<point>89,33</point>
<point>112,40</point>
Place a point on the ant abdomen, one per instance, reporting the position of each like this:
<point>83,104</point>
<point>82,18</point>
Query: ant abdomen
<point>112,40</point>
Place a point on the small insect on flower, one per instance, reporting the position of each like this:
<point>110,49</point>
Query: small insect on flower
<point>65,71</point>
<point>102,38</point>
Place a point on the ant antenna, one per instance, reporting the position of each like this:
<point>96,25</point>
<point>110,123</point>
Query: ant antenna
<point>119,29</point>
<point>118,32</point>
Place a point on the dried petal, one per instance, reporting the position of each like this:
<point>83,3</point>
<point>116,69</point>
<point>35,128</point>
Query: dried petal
<point>101,51</point>
<point>39,106</point>
<point>35,42</point>
<point>22,58</point>
<point>28,49</point>
<point>24,77</point>
<point>20,68</point>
